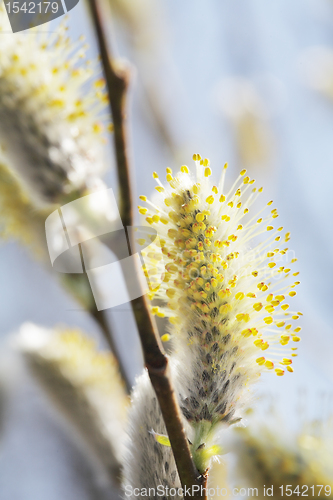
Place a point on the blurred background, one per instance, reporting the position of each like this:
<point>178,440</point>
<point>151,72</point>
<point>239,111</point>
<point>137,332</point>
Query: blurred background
<point>244,82</point>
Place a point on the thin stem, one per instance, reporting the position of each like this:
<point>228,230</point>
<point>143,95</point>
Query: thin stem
<point>155,359</point>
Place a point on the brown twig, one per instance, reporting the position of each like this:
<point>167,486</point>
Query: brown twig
<point>156,361</point>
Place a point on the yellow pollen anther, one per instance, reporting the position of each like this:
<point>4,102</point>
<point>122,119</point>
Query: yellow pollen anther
<point>206,162</point>
<point>259,220</point>
<point>215,190</point>
<point>208,172</point>
<point>261,360</point>
<point>222,198</point>
<point>225,309</point>
<point>258,342</point>
<point>246,180</point>
<point>170,292</point>
<point>272,264</point>
<point>214,282</point>
<point>143,198</point>
<point>165,338</point>
<point>239,296</point>
<point>210,199</point>
<point>243,317</point>
<point>155,175</point>
<point>296,339</point>
<point>280,324</point>
<point>246,210</point>
<point>242,172</point>
<point>292,294</point>
<point>196,188</point>
<point>279,372</point>
<point>269,364</point>
<point>184,169</point>
<point>268,320</point>
<point>224,293</point>
<point>200,217</point>
<point>142,210</point>
<point>269,228</point>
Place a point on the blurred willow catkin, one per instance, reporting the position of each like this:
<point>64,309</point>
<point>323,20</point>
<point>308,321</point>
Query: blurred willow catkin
<point>50,113</point>
<point>85,385</point>
<point>20,218</point>
<point>270,455</point>
<point>223,291</point>
<point>23,221</point>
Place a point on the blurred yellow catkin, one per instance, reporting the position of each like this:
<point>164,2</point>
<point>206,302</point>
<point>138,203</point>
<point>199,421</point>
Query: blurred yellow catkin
<point>269,455</point>
<point>85,385</point>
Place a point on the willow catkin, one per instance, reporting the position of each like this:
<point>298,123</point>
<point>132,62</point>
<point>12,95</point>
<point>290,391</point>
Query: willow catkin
<point>86,386</point>
<point>226,276</point>
<point>50,122</point>
<point>268,454</point>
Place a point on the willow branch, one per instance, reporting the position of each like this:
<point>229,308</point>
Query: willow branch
<point>117,80</point>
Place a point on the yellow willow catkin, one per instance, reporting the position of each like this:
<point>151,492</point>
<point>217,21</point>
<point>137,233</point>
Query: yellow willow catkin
<point>50,113</point>
<point>267,456</point>
<point>224,289</point>
<point>227,279</point>
<point>85,384</point>
<point>20,219</point>
<point>23,221</point>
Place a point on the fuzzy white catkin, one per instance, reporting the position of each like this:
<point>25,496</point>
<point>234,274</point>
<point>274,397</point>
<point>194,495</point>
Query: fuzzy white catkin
<point>148,464</point>
<point>50,126</point>
<point>85,385</point>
